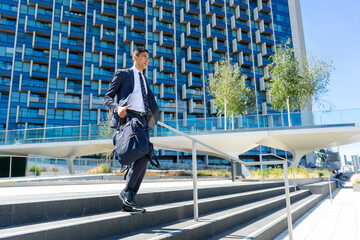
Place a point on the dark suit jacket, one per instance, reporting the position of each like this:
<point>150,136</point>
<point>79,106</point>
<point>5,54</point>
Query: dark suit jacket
<point>122,86</point>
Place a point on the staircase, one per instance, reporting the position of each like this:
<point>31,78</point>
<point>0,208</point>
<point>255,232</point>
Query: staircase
<point>245,210</point>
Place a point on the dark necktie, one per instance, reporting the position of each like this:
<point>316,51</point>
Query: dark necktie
<point>145,97</point>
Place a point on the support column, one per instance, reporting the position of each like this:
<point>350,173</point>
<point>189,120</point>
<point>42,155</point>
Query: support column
<point>70,164</point>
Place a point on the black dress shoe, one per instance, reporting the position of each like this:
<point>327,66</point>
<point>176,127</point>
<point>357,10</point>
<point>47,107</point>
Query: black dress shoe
<point>126,208</point>
<point>128,198</point>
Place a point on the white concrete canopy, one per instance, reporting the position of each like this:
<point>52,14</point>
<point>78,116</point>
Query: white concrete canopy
<point>298,141</point>
<point>66,150</point>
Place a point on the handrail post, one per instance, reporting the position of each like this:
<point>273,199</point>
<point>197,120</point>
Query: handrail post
<point>86,167</point>
<point>287,196</point>
<point>35,165</point>
<point>330,189</point>
<point>6,137</point>
<point>232,170</point>
<point>261,166</point>
<point>10,166</point>
<point>293,170</point>
<point>195,190</point>
<point>56,168</point>
<point>89,132</point>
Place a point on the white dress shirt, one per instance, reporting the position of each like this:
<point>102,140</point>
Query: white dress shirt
<point>136,98</point>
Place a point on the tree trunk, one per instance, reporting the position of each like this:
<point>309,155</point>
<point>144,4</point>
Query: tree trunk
<point>288,110</point>
<point>225,118</point>
<point>232,121</point>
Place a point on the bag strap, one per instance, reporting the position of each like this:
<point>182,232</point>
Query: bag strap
<point>156,163</point>
<point>125,168</point>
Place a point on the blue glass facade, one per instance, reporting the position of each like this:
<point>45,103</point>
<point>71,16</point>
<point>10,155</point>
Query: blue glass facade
<point>66,52</point>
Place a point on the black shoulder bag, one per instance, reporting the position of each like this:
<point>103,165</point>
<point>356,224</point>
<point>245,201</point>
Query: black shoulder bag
<point>131,142</point>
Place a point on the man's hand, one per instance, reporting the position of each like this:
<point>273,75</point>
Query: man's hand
<point>121,111</point>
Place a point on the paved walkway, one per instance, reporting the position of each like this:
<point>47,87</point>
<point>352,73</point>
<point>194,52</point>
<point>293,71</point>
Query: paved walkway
<point>326,221</point>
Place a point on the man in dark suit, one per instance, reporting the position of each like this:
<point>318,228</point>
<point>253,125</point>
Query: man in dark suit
<point>134,99</point>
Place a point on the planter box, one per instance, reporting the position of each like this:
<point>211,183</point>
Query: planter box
<point>356,187</point>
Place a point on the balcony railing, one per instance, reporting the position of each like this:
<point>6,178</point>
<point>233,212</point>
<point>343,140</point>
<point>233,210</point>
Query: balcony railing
<point>77,57</point>
<point>40,26</point>
<point>42,39</point>
<point>130,11</point>
<point>74,16</point>
<point>35,83</point>
<point>70,70</point>
<point>37,54</point>
<point>40,68</point>
<point>9,9</point>
<point>105,20</point>
<point>61,98</point>
<point>166,104</point>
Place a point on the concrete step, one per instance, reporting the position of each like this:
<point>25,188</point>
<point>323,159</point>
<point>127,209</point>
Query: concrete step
<point>26,211</point>
<point>214,223</point>
<point>114,223</point>
<point>271,225</point>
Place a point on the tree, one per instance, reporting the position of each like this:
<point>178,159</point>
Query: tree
<point>105,132</point>
<point>292,82</point>
<point>227,87</point>
<point>316,74</point>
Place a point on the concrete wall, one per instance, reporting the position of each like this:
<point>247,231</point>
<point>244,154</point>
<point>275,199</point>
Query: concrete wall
<point>299,181</point>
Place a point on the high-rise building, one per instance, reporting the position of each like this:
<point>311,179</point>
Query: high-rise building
<point>355,162</point>
<point>57,57</point>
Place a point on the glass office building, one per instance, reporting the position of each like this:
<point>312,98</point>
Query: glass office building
<point>58,57</point>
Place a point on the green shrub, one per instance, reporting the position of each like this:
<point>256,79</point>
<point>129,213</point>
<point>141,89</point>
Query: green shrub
<point>278,173</point>
<point>214,173</point>
<point>204,173</point>
<point>103,168</point>
<point>163,173</point>
<point>54,169</point>
<point>38,170</point>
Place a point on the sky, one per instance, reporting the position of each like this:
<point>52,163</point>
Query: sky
<point>332,29</point>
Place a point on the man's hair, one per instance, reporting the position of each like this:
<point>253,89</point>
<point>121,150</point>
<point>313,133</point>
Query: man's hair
<point>140,50</point>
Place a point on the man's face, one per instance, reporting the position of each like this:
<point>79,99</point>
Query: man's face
<point>141,61</point>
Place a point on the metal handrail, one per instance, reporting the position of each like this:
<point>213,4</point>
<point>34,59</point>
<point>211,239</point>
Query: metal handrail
<point>287,191</point>
<point>201,143</point>
<point>194,141</point>
<point>318,171</point>
<point>194,163</point>
<point>286,182</point>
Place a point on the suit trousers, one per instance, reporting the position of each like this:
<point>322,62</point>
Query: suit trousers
<point>138,169</point>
